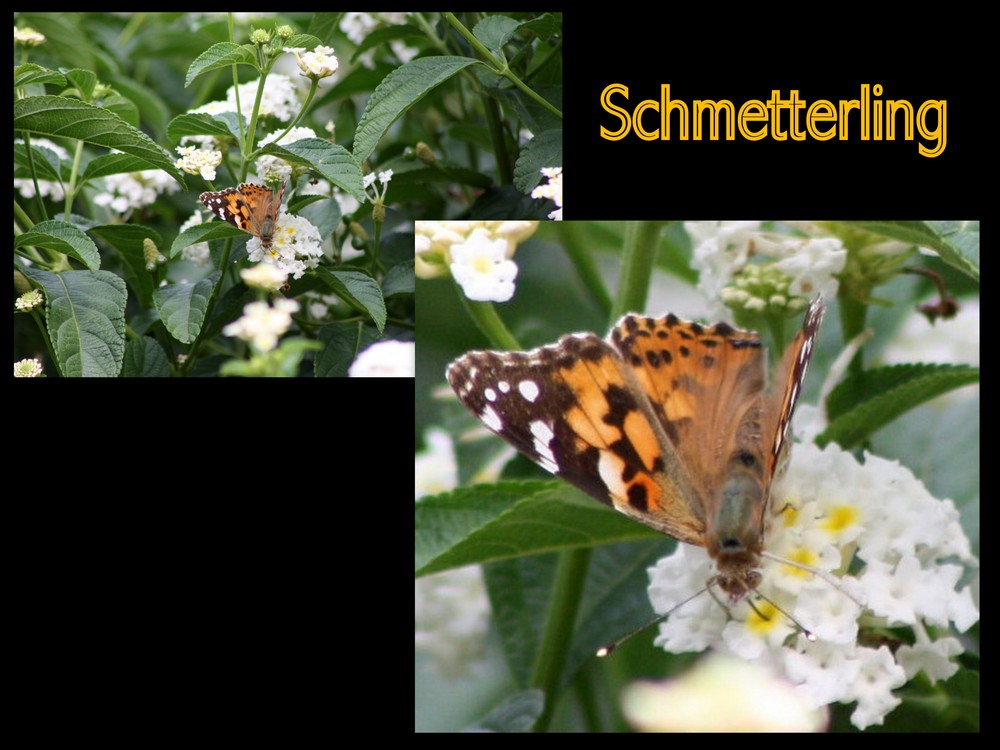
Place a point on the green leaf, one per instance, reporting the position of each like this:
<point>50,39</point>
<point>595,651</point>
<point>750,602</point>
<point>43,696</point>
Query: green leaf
<point>331,160</point>
<point>102,166</point>
<point>182,307</point>
<point>957,242</point>
<point>212,230</point>
<point>200,123</point>
<point>544,150</point>
<point>69,118</point>
<point>124,108</point>
<point>46,161</point>
<point>27,74</point>
<point>518,713</point>
<point>495,31</point>
<point>127,240</point>
<point>221,55</point>
<point>469,132</point>
<point>399,91</point>
<point>323,25</point>
<point>85,317</point>
<point>308,41</point>
<point>342,342</point>
<point>401,279</point>
<point>63,238</point>
<point>145,358</point>
<point>149,103</point>
<point>384,35</point>
<point>64,37</point>
<point>863,403</point>
<point>357,289</point>
<point>511,519</point>
<point>83,81</point>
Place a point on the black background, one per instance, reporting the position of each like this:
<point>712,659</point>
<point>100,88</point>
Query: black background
<point>721,56</point>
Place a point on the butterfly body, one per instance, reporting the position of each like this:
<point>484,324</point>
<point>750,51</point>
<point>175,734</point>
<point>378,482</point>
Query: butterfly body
<point>668,421</point>
<point>252,208</point>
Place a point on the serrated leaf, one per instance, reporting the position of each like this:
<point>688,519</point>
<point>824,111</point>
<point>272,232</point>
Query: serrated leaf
<point>401,279</point>
<point>69,118</point>
<point>221,55</point>
<point>85,318</point>
<point>212,230</point>
<point>399,91</point>
<point>46,161</point>
<point>511,519</point>
<point>357,289</point>
<point>127,240</point>
<point>198,123</point>
<point>145,358</point>
<point>323,25</point>
<point>308,41</point>
<point>495,31</point>
<point>863,403</point>
<point>182,307</point>
<point>83,81</point>
<point>124,108</point>
<point>957,242</point>
<point>102,166</point>
<point>63,238</point>
<point>342,342</point>
<point>544,150</point>
<point>25,75</point>
<point>151,106</point>
<point>331,160</point>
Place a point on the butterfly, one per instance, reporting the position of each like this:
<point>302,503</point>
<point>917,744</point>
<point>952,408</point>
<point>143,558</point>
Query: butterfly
<point>668,421</point>
<point>252,208</point>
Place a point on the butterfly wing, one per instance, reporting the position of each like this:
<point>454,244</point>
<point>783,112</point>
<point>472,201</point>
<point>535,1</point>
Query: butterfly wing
<point>575,409</point>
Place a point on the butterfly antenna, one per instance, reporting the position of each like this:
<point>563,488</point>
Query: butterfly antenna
<point>815,571</point>
<point>607,649</point>
<point>810,636</point>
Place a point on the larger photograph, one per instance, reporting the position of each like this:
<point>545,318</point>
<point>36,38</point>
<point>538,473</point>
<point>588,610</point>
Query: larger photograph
<point>665,467</point>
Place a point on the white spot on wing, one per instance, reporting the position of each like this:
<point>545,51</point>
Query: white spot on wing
<point>490,394</point>
<point>543,438</point>
<point>528,389</point>
<point>491,419</point>
<point>504,386</point>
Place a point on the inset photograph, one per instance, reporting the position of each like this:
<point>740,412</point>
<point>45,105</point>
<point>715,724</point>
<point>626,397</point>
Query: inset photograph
<point>641,442</point>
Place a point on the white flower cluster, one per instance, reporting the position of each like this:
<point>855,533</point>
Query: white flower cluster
<point>476,253</point>
<point>262,325</point>
<point>317,63</point>
<point>28,368</point>
<point>386,359</point>
<point>799,267</point>
<point>48,188</point>
<point>126,192</point>
<point>279,100</point>
<point>29,300</point>
<point>552,189</point>
<point>199,161</point>
<point>357,26</point>
<point>295,246</point>
<point>910,553</point>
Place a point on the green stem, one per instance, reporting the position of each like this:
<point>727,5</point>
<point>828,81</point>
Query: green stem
<point>571,238</point>
<point>313,87</point>
<point>504,162</point>
<point>484,314</point>
<point>554,647</point>
<point>45,337</point>
<point>641,240</point>
<point>499,66</point>
<point>852,322</point>
<point>378,234</point>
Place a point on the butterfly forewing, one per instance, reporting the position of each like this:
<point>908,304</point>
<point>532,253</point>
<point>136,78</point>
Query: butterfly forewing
<point>668,421</point>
